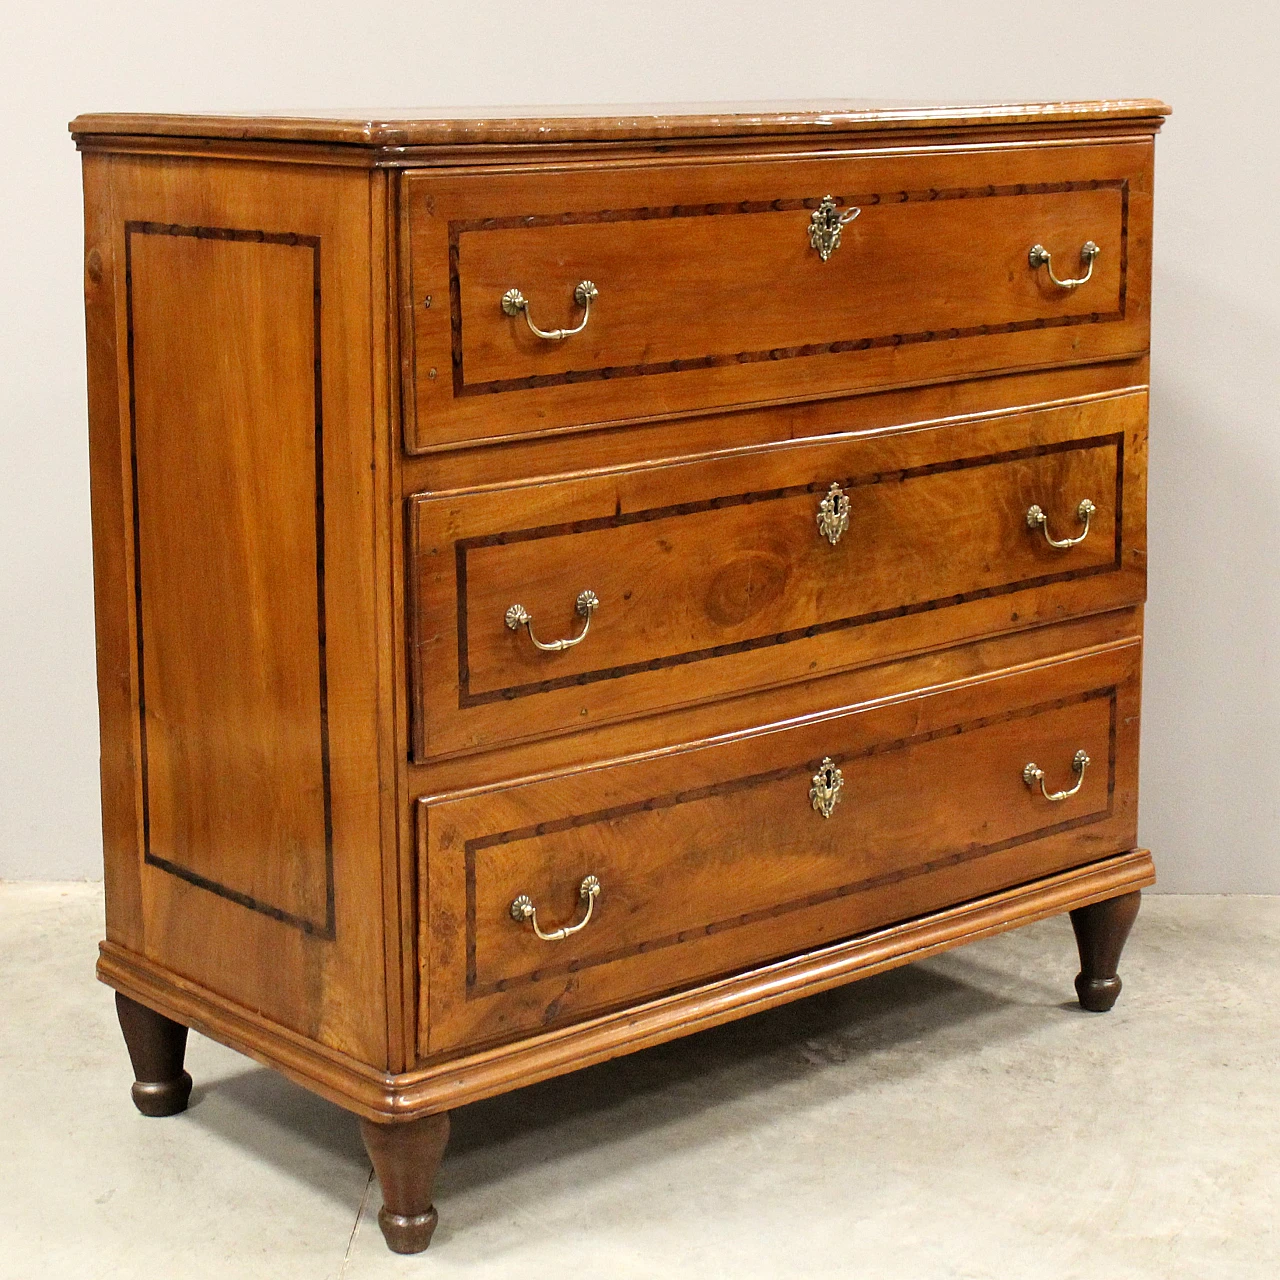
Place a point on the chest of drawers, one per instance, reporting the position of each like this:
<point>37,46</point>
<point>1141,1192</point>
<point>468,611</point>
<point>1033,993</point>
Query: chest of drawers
<point>565,580</point>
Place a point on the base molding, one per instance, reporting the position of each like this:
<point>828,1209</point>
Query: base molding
<point>445,1085</point>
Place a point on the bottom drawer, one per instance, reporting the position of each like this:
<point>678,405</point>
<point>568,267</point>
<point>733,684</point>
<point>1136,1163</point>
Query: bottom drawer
<point>719,855</point>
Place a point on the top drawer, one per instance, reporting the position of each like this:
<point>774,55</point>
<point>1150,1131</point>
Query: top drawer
<point>709,290</point>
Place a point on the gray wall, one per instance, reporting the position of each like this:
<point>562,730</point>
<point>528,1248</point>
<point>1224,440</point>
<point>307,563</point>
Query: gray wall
<point>1209,772</point>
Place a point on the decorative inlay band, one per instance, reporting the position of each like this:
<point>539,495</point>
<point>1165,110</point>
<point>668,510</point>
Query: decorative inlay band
<point>325,928</point>
<point>747,207</point>
<point>466,698</point>
<point>800,769</point>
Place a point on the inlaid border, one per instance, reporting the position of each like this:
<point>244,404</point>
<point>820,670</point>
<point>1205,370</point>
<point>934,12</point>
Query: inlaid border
<point>466,698</point>
<point>475,991</point>
<point>326,929</point>
<point>747,207</point>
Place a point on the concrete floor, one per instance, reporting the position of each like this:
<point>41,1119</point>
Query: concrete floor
<point>959,1118</point>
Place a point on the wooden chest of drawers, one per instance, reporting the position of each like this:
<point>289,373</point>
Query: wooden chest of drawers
<point>567,580</point>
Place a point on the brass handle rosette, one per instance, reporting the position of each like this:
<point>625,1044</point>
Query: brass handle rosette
<point>522,910</point>
<point>514,303</point>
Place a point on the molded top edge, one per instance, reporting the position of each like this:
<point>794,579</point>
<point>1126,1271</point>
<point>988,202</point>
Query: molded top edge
<point>556,124</point>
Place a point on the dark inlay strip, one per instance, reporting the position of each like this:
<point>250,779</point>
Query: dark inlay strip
<point>734,785</point>
<point>457,228</point>
<point>466,698</point>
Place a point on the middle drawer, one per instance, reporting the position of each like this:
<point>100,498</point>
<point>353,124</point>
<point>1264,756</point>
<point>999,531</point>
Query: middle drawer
<point>682,581</point>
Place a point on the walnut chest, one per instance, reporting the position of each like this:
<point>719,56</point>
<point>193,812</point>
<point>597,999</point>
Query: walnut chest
<point>566,579</point>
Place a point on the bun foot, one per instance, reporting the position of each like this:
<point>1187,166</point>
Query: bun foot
<point>162,1097</point>
<point>1097,995</point>
<point>1102,928</point>
<point>406,1155</point>
<point>407,1235</point>
<point>157,1046</point>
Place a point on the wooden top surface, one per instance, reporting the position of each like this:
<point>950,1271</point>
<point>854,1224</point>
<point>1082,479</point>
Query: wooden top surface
<point>481,125</point>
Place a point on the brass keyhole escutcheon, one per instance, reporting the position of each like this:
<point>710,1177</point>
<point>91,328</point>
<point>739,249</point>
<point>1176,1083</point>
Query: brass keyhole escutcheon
<point>833,514</point>
<point>825,787</point>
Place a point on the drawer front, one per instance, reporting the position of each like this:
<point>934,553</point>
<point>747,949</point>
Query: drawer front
<point>710,291</point>
<point>714,576</point>
<point>713,857</point>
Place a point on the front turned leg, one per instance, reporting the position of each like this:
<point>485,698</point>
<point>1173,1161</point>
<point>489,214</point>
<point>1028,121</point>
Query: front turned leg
<point>406,1156</point>
<point>157,1046</point>
<point>1101,930</point>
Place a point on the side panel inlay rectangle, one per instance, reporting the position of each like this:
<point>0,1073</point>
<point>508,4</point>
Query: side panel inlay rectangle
<point>226,442</point>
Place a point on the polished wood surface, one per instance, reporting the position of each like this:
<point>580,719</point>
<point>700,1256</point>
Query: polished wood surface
<point>454,1080</point>
<point>1101,930</point>
<point>711,293</point>
<point>965,254</point>
<point>233,677</point>
<point>111,506</point>
<point>324,463</point>
<point>230,371</point>
<point>710,432</point>
<point>406,1157</point>
<point>543,125</point>
<point>712,857</point>
<point>713,576</point>
<point>157,1046</point>
<point>933,668</point>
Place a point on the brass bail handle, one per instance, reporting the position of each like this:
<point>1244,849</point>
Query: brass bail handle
<point>1041,257</point>
<point>1036,519</point>
<point>586,604</point>
<point>1033,774</point>
<point>514,302</point>
<point>522,909</point>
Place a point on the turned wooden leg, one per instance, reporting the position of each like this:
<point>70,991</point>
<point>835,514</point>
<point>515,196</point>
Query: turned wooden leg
<point>405,1157</point>
<point>157,1046</point>
<point>1101,930</point>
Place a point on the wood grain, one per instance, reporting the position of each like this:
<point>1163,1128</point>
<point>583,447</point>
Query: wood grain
<point>933,668</point>
<point>406,1157</point>
<point>216,444</point>
<point>545,126</point>
<point>233,682</point>
<point>713,578</point>
<point>324,463</point>
<point>111,504</point>
<point>691,305</point>
<point>711,857</point>
<point>393,714</point>
<point>711,295</point>
<point>688,436</point>
<point>456,1080</point>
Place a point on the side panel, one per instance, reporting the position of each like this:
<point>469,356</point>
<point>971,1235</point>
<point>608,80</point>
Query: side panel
<point>246,446</point>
